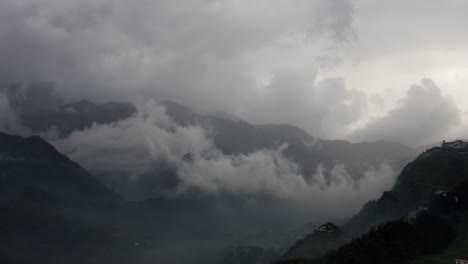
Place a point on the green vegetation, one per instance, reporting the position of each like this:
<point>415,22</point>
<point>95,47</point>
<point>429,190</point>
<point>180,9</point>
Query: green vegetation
<point>457,249</point>
<point>393,242</point>
<point>325,238</point>
<point>437,179</point>
<point>434,170</point>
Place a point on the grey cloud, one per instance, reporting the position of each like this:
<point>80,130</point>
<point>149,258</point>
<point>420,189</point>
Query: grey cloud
<point>133,146</point>
<point>423,116</point>
<point>204,54</point>
<point>248,59</point>
<point>325,108</point>
<point>10,121</point>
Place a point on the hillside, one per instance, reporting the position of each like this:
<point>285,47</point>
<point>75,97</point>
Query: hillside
<point>435,235</point>
<point>435,170</point>
<point>323,239</point>
<point>75,116</point>
<point>32,162</point>
<point>231,136</point>
<point>241,137</point>
<point>423,219</point>
<point>238,137</point>
<point>40,233</point>
<point>44,203</point>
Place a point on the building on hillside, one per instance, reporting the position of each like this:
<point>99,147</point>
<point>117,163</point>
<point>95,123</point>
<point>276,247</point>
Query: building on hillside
<point>461,260</point>
<point>414,215</point>
<point>457,144</point>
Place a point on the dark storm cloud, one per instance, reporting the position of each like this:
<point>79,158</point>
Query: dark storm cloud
<point>262,61</point>
<point>324,108</point>
<point>206,54</point>
<point>134,145</point>
<point>423,116</point>
<point>9,118</point>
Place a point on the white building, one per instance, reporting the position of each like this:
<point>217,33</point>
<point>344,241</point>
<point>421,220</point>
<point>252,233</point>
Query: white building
<point>461,260</point>
<point>457,144</point>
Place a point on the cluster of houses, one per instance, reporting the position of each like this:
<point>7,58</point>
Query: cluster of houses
<point>461,260</point>
<point>457,144</point>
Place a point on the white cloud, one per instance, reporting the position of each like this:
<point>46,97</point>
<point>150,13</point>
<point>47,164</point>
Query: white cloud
<point>423,116</point>
<point>133,145</point>
<point>277,61</point>
<point>10,121</point>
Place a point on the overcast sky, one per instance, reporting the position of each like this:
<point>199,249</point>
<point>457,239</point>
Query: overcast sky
<point>359,70</point>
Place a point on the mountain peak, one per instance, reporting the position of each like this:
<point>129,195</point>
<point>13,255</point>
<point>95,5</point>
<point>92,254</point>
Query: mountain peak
<point>457,144</point>
<point>327,228</point>
<point>181,114</point>
<point>32,162</point>
<point>33,147</point>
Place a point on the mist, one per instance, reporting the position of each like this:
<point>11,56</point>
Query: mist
<point>288,113</point>
<point>135,146</point>
<point>244,60</point>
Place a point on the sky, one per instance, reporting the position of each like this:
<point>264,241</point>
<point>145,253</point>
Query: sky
<point>351,69</point>
<point>134,148</point>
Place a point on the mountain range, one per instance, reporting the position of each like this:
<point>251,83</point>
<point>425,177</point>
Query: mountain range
<point>230,136</point>
<point>50,200</point>
<point>427,207</point>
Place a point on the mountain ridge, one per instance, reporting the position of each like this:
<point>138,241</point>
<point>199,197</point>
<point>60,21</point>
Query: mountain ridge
<point>437,168</point>
<point>31,161</point>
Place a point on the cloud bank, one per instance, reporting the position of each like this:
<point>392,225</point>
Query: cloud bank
<point>325,66</point>
<point>221,56</point>
<point>10,121</point>
<point>423,116</point>
<point>133,147</point>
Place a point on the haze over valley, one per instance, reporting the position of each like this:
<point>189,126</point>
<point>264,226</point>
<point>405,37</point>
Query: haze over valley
<point>232,131</point>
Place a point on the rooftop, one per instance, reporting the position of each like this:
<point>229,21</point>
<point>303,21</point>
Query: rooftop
<point>457,144</point>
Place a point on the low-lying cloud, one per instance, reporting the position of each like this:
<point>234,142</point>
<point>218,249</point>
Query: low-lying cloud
<point>10,121</point>
<point>423,116</point>
<point>209,55</point>
<point>134,145</point>
<point>263,62</point>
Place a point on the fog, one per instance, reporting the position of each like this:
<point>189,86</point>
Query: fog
<point>283,62</point>
<point>352,70</point>
<point>134,147</point>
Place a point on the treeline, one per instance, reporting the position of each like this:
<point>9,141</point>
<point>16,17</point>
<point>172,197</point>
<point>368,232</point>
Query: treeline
<point>392,242</point>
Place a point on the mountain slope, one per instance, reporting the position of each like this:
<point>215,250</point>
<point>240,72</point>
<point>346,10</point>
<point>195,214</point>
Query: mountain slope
<point>437,169</point>
<point>426,211</point>
<point>325,238</point>
<point>31,161</point>
<point>231,136</point>
<point>240,137</point>
<point>435,235</point>
<point>76,116</point>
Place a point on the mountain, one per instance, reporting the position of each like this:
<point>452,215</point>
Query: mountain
<point>231,136</point>
<point>235,137</point>
<point>392,242</point>
<point>425,212</point>
<point>39,233</point>
<point>240,137</point>
<point>46,202</point>
<point>75,116</point>
<point>323,239</point>
<point>434,234</point>
<point>252,254</point>
<point>436,170</point>
<point>32,162</point>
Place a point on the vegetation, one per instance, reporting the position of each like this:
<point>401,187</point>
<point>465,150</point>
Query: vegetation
<point>393,242</point>
<point>436,234</point>
<point>319,242</point>
<point>435,170</point>
<point>446,256</point>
